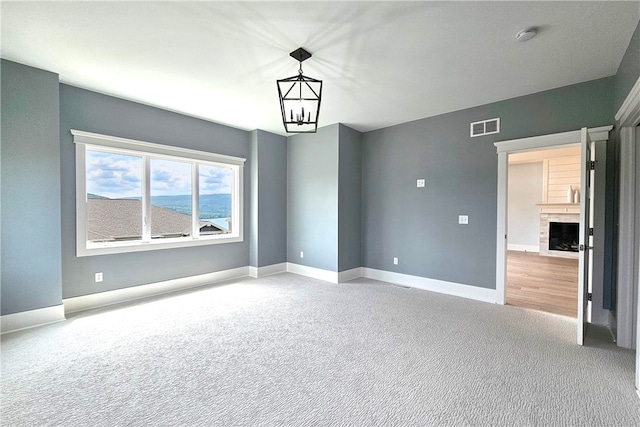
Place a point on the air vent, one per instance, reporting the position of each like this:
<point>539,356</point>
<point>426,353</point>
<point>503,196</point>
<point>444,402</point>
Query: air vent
<point>485,127</point>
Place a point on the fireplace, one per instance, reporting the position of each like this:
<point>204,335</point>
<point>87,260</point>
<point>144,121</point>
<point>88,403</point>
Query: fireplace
<point>562,213</point>
<point>563,236</point>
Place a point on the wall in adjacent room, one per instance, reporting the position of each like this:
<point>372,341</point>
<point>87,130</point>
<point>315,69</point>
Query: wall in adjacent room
<point>93,112</point>
<point>312,198</point>
<point>269,199</point>
<point>524,193</point>
<point>31,254</point>
<point>420,225</point>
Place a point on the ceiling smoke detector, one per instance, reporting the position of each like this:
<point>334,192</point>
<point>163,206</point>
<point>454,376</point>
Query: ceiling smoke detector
<point>527,34</point>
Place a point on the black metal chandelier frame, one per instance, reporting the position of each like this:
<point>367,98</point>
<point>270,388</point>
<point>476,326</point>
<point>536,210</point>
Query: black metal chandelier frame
<point>294,92</point>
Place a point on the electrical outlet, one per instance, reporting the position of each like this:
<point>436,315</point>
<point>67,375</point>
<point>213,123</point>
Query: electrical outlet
<point>301,254</point>
<point>98,277</point>
<point>395,261</point>
<point>463,219</point>
<point>420,183</point>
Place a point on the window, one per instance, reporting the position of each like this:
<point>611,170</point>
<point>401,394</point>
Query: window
<point>137,196</point>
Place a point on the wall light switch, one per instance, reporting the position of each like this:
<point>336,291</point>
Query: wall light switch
<point>463,219</point>
<point>301,254</point>
<point>420,183</point>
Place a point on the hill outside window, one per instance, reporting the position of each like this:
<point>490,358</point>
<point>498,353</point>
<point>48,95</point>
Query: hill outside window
<point>137,196</point>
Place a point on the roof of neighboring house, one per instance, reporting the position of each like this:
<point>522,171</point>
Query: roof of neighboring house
<point>121,219</point>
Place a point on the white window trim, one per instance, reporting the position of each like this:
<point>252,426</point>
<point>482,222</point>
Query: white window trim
<point>129,146</point>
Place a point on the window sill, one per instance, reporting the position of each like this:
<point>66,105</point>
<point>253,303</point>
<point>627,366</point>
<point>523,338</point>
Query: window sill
<point>127,247</point>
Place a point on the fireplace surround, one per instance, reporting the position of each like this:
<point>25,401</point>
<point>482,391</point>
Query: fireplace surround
<point>561,213</point>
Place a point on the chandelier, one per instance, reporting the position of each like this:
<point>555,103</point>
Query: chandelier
<point>300,99</point>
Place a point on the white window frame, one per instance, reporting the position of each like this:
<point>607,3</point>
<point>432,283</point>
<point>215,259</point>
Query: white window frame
<point>92,141</point>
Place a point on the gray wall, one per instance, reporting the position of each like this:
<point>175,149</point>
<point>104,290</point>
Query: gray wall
<point>269,199</point>
<point>324,182</point>
<point>89,111</point>
<point>626,76</point>
<point>524,192</point>
<point>420,226</point>
<point>349,199</point>
<point>599,313</point>
<point>312,198</point>
<point>629,70</point>
<point>611,197</point>
<point>31,254</point>
<point>417,225</point>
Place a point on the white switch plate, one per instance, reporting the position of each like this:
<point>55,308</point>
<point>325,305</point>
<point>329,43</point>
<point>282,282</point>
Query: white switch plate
<point>395,261</point>
<point>420,183</point>
<point>98,277</point>
<point>301,254</point>
<point>463,219</point>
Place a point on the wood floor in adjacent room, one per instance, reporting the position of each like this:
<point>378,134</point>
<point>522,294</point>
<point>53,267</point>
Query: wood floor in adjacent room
<point>542,283</point>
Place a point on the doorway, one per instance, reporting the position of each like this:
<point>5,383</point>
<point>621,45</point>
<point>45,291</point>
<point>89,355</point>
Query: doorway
<point>542,234</point>
<point>584,137</point>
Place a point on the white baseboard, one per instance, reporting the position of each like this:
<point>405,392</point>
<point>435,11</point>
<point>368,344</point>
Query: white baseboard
<point>345,276</point>
<point>32,318</point>
<point>440,286</point>
<point>87,302</point>
<point>267,270</point>
<point>315,273</point>
<point>325,275</point>
<point>523,248</point>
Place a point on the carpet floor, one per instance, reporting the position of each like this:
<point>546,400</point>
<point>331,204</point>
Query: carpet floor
<point>289,350</point>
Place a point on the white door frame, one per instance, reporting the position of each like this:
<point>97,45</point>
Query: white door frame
<point>628,117</point>
<point>504,148</point>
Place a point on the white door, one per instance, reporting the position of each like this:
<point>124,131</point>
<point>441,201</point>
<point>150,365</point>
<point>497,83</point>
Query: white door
<point>586,178</point>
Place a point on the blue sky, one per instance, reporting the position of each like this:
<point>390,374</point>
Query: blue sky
<point>119,176</point>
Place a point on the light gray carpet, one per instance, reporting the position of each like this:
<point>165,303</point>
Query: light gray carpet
<point>288,350</point>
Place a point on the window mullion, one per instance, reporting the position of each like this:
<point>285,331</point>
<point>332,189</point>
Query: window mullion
<point>146,199</point>
<point>195,197</point>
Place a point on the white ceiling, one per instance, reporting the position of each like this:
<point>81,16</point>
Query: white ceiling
<point>382,63</point>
